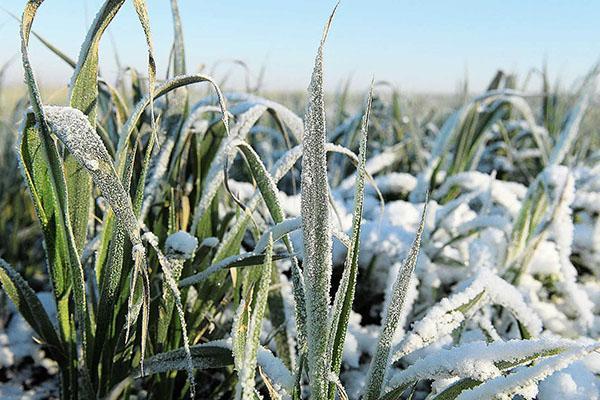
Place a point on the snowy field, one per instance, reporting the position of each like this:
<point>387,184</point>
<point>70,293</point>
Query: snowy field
<point>177,239</point>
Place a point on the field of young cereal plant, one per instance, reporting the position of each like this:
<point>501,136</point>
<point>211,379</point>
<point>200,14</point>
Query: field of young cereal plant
<point>163,239</point>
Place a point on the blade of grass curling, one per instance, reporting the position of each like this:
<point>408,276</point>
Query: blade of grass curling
<point>223,155</point>
<point>380,361</point>
<point>245,386</point>
<point>79,137</point>
<point>30,307</point>
<point>161,90</point>
<point>84,96</point>
<point>316,228</point>
<point>344,298</point>
<point>58,189</point>
<point>84,85</point>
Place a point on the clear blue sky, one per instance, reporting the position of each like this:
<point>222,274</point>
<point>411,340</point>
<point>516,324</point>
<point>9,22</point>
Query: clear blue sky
<point>422,46</point>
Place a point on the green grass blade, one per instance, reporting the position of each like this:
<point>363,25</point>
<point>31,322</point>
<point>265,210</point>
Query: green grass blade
<point>81,139</point>
<point>161,90</point>
<point>178,45</point>
<point>247,365</point>
<point>142,12</point>
<point>342,305</point>
<point>84,83</point>
<point>30,307</point>
<point>269,192</point>
<point>316,229</point>
<point>84,97</point>
<point>381,358</point>
<point>171,277</point>
<point>57,187</point>
<point>204,356</point>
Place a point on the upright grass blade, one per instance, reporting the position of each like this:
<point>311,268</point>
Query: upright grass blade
<point>112,268</point>
<point>570,131</point>
<point>142,12</point>
<point>381,357</point>
<point>176,260</point>
<point>342,305</point>
<point>245,360</point>
<point>316,229</point>
<point>38,176</point>
<point>178,45</point>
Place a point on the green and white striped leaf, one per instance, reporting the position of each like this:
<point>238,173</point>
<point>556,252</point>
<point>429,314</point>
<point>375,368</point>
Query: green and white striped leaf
<point>317,266</point>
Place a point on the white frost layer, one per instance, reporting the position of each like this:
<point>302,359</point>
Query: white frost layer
<point>443,318</point>
<point>477,360</point>
<point>524,380</point>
